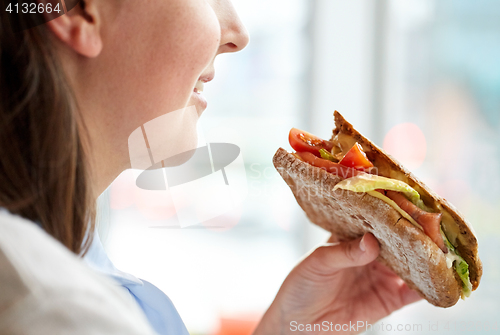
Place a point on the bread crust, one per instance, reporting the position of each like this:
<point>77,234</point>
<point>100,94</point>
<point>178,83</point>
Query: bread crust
<point>403,247</point>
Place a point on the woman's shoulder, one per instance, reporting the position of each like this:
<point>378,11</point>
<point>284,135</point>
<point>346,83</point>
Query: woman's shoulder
<point>46,287</point>
<point>35,258</point>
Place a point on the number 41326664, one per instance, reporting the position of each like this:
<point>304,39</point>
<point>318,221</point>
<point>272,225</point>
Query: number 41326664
<point>463,326</point>
<point>32,8</point>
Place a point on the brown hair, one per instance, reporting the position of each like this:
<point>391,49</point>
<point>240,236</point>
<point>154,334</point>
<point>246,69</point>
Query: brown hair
<point>44,174</point>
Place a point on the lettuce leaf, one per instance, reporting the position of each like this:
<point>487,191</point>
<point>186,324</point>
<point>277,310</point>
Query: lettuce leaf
<point>463,272</point>
<point>461,265</point>
<point>326,155</point>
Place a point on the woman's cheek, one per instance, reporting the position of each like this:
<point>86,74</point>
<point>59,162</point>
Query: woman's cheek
<point>206,29</point>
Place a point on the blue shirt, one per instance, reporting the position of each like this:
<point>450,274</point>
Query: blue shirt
<point>158,308</point>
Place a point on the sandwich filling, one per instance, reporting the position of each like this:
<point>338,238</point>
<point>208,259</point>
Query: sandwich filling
<point>360,175</point>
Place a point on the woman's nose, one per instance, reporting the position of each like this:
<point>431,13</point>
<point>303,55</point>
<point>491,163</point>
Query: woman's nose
<point>234,36</point>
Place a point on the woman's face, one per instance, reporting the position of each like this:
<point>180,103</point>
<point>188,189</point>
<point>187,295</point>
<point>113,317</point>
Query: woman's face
<point>154,58</point>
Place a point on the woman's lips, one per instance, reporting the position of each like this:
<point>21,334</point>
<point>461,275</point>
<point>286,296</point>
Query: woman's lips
<point>199,86</point>
<point>199,99</point>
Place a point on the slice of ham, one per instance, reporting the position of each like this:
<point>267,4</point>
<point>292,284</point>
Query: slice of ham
<point>429,221</point>
<point>329,166</point>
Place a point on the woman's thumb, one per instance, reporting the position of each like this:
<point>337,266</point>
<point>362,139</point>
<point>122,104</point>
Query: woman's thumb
<point>333,256</point>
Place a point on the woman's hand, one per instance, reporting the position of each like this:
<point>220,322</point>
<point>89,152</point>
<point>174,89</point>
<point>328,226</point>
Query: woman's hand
<point>337,285</point>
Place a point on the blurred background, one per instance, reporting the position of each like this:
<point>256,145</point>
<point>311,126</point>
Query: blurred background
<point>419,77</point>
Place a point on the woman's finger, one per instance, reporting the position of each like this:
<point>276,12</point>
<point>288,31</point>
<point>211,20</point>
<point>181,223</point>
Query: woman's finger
<point>408,295</point>
<point>331,257</point>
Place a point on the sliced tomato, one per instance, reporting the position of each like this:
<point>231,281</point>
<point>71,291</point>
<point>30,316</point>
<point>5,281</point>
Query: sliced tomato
<point>431,222</point>
<point>302,141</point>
<point>356,158</point>
<point>329,166</point>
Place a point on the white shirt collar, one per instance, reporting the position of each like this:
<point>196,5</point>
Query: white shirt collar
<point>97,259</point>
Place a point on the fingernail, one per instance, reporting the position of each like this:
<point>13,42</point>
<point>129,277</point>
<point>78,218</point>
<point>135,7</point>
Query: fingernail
<point>362,245</point>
